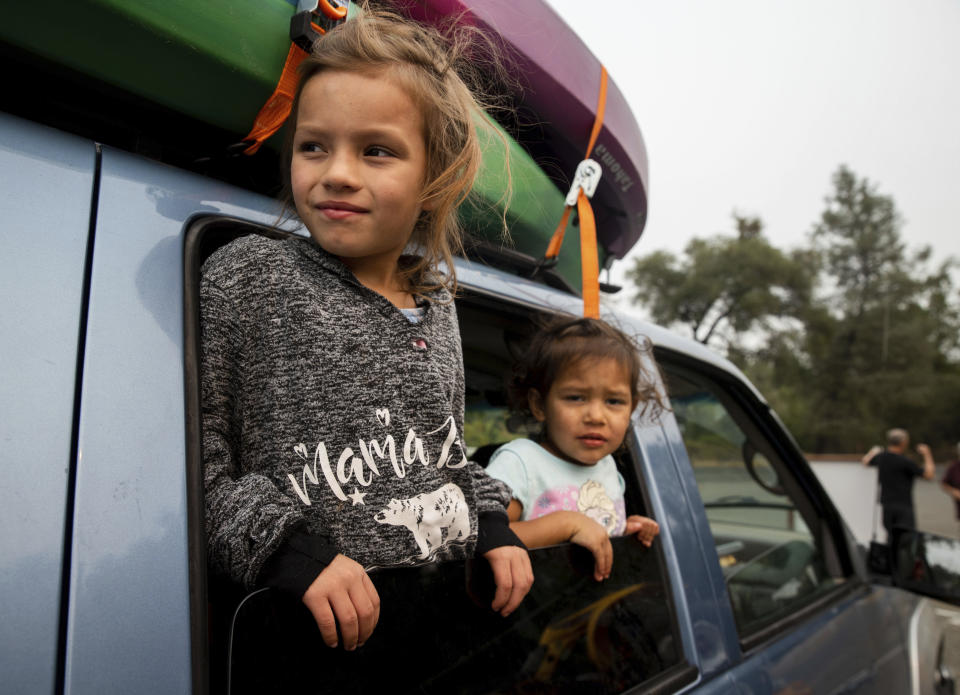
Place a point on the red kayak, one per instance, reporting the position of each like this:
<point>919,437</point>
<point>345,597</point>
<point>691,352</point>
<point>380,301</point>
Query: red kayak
<point>561,81</point>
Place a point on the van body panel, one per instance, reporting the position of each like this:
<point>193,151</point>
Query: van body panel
<point>46,179</point>
<point>128,584</point>
<point>843,649</point>
<point>130,560</point>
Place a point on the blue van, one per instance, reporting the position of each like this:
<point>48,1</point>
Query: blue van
<point>754,585</point>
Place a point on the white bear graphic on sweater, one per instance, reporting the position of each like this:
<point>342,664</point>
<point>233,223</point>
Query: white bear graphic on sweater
<point>427,516</point>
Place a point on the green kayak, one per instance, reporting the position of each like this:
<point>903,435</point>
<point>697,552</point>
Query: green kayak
<point>217,62</point>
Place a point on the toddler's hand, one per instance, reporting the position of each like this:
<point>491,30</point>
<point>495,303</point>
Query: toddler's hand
<point>646,529</point>
<point>594,538</point>
<point>513,576</point>
<point>343,594</point>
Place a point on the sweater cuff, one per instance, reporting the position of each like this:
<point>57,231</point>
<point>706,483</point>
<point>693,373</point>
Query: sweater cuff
<point>297,563</point>
<point>493,531</point>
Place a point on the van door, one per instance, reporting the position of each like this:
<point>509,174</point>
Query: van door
<point>47,180</point>
<point>805,619</point>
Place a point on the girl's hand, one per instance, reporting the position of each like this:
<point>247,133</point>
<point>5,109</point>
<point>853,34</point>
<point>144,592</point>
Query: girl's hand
<point>513,576</point>
<point>342,594</point>
<point>646,529</point>
<point>594,538</point>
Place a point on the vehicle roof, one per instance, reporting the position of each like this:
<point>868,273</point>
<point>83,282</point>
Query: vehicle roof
<point>494,282</point>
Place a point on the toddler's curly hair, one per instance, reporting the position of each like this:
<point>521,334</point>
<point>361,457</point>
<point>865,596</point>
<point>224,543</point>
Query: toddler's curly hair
<point>565,341</point>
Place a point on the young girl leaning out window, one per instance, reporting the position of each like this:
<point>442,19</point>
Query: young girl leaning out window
<point>581,379</point>
<point>332,374</point>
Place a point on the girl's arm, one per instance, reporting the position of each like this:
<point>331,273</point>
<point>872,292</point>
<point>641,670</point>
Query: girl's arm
<point>342,594</point>
<point>255,533</point>
<point>563,527</point>
<point>645,528</point>
<point>500,545</point>
<point>247,516</point>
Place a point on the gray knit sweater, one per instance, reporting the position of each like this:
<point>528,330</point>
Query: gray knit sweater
<point>326,410</point>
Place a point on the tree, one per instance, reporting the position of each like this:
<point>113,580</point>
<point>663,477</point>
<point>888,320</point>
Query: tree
<point>875,343</point>
<point>878,344</point>
<point>873,339</point>
<point>739,282</point>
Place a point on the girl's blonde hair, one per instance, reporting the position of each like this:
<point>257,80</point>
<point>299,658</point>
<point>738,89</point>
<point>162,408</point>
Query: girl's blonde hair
<point>438,73</point>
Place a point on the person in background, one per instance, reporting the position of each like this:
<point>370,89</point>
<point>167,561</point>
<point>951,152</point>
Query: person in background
<point>951,481</point>
<point>896,473</point>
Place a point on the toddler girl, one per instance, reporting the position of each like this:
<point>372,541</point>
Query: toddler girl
<point>581,379</point>
<point>332,374</point>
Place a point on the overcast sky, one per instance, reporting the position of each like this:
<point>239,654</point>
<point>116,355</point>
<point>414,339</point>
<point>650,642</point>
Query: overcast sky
<point>751,105</point>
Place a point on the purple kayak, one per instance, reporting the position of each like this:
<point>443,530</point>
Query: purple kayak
<point>560,77</point>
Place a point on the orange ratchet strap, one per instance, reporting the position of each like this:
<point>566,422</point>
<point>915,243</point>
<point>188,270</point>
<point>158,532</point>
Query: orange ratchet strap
<point>584,184</point>
<point>306,26</point>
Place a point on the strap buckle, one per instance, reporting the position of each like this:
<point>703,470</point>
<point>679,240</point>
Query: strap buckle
<point>586,177</point>
<point>314,18</point>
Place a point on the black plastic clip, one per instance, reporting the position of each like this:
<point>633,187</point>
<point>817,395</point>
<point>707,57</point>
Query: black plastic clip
<point>309,25</point>
<point>543,265</point>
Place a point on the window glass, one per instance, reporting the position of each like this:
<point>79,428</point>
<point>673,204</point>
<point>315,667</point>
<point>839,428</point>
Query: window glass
<point>928,564</point>
<point>486,426</point>
<point>766,531</point>
<point>437,635</point>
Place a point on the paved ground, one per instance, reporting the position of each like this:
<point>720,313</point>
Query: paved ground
<point>853,489</point>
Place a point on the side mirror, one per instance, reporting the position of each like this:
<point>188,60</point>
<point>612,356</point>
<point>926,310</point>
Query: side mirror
<point>927,564</point>
<point>760,469</point>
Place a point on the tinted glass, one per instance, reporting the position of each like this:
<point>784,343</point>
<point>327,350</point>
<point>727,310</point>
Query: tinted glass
<point>437,635</point>
<point>927,563</point>
<point>765,529</point>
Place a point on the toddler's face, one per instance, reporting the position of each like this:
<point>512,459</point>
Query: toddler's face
<point>587,410</point>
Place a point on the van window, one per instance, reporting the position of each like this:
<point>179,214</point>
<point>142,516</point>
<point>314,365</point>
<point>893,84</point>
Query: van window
<point>767,531</point>
<point>436,632</point>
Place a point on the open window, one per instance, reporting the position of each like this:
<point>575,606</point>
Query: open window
<point>774,541</point>
<point>436,632</point>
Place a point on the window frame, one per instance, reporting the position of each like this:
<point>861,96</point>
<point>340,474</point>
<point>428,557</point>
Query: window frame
<point>195,248</point>
<point>732,390</point>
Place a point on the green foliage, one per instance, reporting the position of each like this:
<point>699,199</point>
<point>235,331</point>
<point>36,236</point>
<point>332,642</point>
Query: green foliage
<point>709,433</point>
<point>736,282</point>
<point>881,336</point>
<point>485,425</point>
<point>875,340</point>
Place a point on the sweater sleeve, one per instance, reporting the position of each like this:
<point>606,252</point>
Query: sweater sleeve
<point>247,517</point>
<point>297,563</point>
